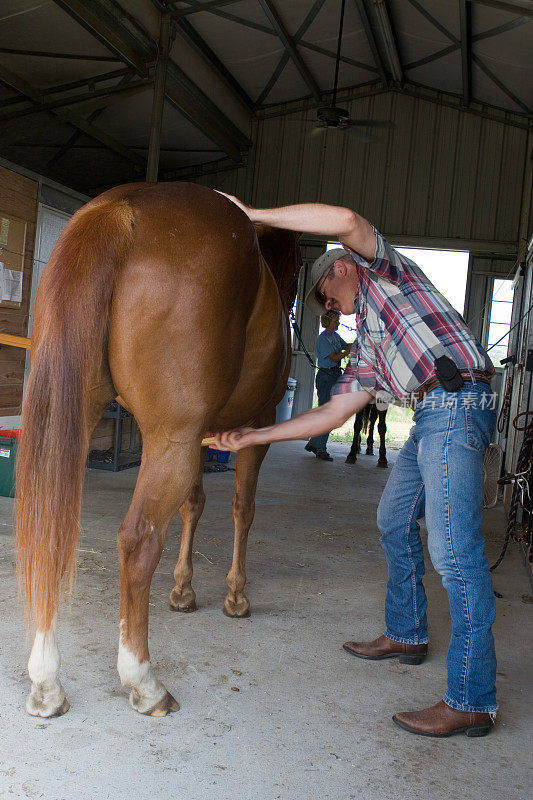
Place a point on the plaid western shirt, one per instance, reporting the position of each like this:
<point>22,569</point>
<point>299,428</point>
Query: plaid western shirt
<point>403,324</point>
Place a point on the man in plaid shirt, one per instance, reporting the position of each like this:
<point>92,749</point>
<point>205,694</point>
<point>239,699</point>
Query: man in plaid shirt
<point>405,330</point>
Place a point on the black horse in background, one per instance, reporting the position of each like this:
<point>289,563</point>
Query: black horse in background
<point>365,421</point>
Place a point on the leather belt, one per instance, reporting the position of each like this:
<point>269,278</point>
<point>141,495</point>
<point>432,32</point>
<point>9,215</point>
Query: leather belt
<point>432,383</point>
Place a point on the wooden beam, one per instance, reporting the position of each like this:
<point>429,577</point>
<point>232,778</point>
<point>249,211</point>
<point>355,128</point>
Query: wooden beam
<point>15,341</point>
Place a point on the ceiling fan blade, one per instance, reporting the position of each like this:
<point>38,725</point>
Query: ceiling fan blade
<point>314,132</point>
<point>357,134</point>
<point>369,123</point>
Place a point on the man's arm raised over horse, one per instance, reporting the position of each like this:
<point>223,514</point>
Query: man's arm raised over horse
<point>311,423</point>
<point>350,228</point>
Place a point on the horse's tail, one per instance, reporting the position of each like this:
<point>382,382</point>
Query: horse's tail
<point>71,322</point>
<point>366,417</point>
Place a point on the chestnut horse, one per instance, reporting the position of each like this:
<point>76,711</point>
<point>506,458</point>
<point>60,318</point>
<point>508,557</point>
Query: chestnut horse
<point>158,295</point>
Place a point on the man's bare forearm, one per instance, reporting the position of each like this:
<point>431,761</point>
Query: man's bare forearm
<point>318,218</point>
<point>311,423</point>
<point>308,217</point>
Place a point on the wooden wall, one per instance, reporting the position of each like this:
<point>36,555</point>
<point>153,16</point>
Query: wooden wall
<point>18,198</point>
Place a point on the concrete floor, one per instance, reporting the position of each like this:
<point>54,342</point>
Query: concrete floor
<point>308,721</point>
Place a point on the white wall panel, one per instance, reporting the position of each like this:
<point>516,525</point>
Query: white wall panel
<point>463,160</point>
<point>397,167</point>
<point>510,183</point>
<point>488,179</point>
<point>442,179</point>
<point>443,173</point>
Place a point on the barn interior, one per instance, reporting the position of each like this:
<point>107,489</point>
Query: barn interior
<point>434,145</point>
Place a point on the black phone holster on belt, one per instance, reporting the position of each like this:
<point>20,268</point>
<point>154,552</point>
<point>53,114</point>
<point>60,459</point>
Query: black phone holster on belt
<point>449,376</point>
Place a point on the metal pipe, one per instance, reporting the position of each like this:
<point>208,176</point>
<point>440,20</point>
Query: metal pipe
<point>152,167</point>
<point>387,35</point>
<point>527,199</point>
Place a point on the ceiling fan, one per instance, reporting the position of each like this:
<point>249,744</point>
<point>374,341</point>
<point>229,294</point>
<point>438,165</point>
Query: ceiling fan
<point>332,117</point>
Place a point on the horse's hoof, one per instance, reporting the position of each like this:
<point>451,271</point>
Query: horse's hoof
<point>52,704</point>
<point>382,462</point>
<point>185,608</point>
<point>165,706</point>
<point>239,609</point>
<point>185,601</point>
<point>369,451</point>
<point>350,459</point>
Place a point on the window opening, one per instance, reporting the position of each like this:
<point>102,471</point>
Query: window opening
<point>500,319</point>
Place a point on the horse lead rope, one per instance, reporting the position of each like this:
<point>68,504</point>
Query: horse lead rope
<point>298,335</point>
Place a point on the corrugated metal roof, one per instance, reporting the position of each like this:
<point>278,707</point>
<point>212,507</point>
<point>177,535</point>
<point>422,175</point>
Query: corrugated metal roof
<point>231,62</point>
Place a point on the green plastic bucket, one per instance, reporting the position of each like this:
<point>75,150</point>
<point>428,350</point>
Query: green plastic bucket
<point>8,454</point>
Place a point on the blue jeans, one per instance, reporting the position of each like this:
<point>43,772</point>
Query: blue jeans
<point>325,382</point>
<point>439,475</point>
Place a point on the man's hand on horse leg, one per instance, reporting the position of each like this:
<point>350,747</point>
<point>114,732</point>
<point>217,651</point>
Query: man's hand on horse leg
<point>235,440</point>
<point>322,419</point>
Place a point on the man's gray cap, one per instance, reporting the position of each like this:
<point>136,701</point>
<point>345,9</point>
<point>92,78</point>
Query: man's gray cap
<point>318,269</point>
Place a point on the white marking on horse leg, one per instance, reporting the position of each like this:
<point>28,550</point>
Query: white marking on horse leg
<point>146,690</point>
<point>47,696</point>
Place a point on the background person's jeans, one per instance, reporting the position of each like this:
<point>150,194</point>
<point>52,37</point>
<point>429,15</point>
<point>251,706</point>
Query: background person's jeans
<point>325,381</point>
<point>439,474</point>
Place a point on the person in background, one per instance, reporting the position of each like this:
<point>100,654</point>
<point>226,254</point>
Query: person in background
<point>330,350</point>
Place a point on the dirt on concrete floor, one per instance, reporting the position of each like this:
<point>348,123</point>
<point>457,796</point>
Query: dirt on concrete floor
<point>308,720</point>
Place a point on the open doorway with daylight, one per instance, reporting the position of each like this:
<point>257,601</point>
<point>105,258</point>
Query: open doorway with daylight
<point>448,271</point>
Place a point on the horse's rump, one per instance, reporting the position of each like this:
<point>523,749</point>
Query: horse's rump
<point>200,317</point>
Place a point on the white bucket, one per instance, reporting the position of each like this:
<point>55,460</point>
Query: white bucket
<point>284,407</point>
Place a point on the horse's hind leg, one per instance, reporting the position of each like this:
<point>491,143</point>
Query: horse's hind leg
<point>370,436</point>
<point>249,461</point>
<point>351,458</point>
<point>168,470</point>
<point>382,430</point>
<point>182,596</point>
<point>47,697</point>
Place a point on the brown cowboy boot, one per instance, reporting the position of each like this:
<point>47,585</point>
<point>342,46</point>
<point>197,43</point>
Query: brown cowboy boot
<point>442,720</point>
<point>383,647</point>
